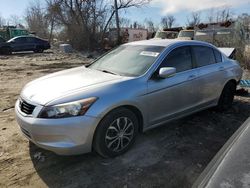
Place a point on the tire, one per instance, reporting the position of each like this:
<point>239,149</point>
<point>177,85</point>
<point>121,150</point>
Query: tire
<point>38,50</point>
<point>227,96</point>
<point>6,50</point>
<point>112,138</point>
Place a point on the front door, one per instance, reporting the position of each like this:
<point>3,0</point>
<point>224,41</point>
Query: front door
<point>170,97</point>
<point>19,44</point>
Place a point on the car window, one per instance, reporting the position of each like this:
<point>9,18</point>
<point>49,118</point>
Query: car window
<point>20,40</point>
<point>204,56</point>
<point>38,40</point>
<point>30,39</point>
<point>179,58</point>
<point>218,56</point>
<point>189,34</point>
<point>128,60</point>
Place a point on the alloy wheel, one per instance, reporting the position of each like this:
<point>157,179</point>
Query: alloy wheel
<point>119,134</point>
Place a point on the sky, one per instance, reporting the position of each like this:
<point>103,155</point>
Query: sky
<point>154,11</point>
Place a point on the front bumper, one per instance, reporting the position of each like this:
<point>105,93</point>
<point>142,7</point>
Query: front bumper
<point>66,136</point>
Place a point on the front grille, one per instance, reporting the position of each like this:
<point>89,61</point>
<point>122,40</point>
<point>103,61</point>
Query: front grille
<point>26,107</point>
<point>26,132</point>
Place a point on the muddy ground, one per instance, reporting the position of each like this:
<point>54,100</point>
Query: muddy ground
<point>172,155</point>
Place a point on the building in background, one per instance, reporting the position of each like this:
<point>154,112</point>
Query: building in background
<point>8,32</point>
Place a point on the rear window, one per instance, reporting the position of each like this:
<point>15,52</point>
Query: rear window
<point>218,56</point>
<point>204,56</point>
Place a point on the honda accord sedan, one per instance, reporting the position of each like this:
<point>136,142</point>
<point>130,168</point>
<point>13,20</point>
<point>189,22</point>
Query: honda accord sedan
<point>133,88</point>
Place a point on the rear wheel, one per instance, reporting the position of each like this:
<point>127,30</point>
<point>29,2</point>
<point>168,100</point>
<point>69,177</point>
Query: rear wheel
<point>38,49</point>
<point>116,133</point>
<point>227,96</point>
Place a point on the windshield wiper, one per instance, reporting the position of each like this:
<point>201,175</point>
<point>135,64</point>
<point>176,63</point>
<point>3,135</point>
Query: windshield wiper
<point>110,72</point>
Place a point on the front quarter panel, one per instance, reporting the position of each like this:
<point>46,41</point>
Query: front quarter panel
<point>125,93</point>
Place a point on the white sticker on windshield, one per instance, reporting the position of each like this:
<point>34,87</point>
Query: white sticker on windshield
<point>147,53</point>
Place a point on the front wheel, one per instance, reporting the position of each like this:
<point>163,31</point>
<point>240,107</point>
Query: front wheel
<point>6,50</point>
<point>227,96</point>
<point>116,133</point>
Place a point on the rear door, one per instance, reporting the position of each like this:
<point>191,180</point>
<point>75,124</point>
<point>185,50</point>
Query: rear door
<point>31,43</point>
<point>211,73</point>
<point>170,97</point>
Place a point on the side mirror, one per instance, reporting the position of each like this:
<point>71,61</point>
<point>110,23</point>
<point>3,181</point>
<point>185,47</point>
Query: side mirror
<point>166,72</point>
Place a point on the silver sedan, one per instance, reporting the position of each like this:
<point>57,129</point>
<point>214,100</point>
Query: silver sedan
<point>131,89</point>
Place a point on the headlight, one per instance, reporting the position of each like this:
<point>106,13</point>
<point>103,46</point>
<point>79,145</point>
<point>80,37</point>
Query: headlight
<point>76,108</point>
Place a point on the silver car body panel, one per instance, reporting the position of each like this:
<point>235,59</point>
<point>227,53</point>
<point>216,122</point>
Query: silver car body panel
<point>158,101</point>
<point>62,136</point>
<point>65,83</point>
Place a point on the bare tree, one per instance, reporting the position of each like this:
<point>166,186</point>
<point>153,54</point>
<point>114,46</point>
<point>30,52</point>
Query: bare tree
<point>121,5</point>
<point>51,17</point>
<point>224,15</point>
<point>81,20</point>
<point>86,22</point>
<point>2,21</point>
<point>124,22</point>
<point>88,19</point>
<point>211,15</point>
<point>150,25</point>
<point>117,22</point>
<point>15,20</point>
<point>135,25</point>
<point>168,21</point>
<point>242,39</point>
<point>194,19</point>
<point>244,19</point>
<point>36,19</point>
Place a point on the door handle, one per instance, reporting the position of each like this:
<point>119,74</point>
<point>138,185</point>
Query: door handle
<point>221,68</point>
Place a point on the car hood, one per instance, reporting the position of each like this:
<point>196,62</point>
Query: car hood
<point>63,83</point>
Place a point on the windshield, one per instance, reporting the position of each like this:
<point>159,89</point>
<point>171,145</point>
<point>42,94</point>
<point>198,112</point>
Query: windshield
<point>128,60</point>
<point>166,35</point>
<point>11,40</point>
<point>189,34</point>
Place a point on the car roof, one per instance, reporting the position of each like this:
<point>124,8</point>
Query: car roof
<point>191,30</point>
<point>29,36</point>
<point>167,31</point>
<point>167,42</point>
